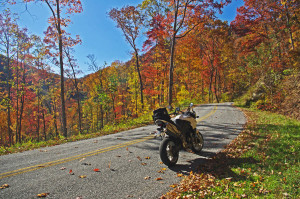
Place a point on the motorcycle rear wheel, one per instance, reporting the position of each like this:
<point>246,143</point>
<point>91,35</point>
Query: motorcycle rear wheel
<point>168,152</point>
<point>198,143</point>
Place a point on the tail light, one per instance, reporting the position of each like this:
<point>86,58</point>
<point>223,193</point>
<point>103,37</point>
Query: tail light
<point>159,123</point>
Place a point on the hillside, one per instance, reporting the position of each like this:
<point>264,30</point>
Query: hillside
<point>290,105</point>
<point>279,93</point>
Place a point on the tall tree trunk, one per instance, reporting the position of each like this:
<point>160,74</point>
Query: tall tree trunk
<point>55,119</point>
<point>102,117</point>
<point>140,77</point>
<point>216,94</point>
<point>8,79</point>
<point>171,70</point>
<point>22,102</point>
<point>62,80</point>
<point>289,26</point>
<point>44,125</point>
<point>202,89</point>
<point>38,114</point>
<point>17,95</point>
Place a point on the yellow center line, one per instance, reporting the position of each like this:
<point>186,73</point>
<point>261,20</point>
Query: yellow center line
<point>91,153</point>
<point>207,115</point>
<point>76,157</point>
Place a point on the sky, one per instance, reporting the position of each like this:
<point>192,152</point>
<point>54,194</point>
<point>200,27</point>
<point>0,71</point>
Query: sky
<point>98,32</point>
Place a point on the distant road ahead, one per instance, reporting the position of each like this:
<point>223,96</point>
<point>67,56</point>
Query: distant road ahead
<point>128,162</point>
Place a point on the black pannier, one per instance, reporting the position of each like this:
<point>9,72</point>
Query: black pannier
<point>161,114</point>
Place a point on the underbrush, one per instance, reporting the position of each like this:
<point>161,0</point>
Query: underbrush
<point>108,129</point>
<point>262,162</point>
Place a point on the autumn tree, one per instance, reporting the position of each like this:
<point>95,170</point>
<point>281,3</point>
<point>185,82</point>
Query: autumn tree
<point>129,20</point>
<point>184,16</point>
<point>55,35</point>
<point>101,96</point>
<point>72,75</point>
<point>8,34</point>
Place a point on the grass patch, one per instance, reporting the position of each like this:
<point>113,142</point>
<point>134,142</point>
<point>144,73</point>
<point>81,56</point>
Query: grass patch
<point>262,162</point>
<point>108,129</point>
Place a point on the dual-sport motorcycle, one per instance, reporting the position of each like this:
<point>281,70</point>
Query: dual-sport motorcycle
<point>179,133</point>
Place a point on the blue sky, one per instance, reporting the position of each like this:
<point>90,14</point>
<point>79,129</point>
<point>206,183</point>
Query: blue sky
<point>97,31</point>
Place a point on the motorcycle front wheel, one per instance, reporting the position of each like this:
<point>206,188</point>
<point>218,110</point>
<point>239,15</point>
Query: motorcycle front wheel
<point>168,152</point>
<point>198,143</point>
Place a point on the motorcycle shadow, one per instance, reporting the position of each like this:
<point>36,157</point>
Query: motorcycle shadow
<point>193,164</point>
<point>220,171</point>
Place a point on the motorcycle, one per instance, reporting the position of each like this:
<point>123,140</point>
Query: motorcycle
<point>178,133</point>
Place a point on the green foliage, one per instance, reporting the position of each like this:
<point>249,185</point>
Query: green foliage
<point>272,171</point>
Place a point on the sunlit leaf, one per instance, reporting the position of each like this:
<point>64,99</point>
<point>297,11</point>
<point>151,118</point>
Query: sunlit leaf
<point>4,186</point>
<point>96,170</point>
<point>42,195</point>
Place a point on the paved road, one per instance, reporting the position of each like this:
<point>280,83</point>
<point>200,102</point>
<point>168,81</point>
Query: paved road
<point>124,171</point>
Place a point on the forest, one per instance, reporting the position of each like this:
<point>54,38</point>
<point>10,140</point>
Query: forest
<point>189,55</point>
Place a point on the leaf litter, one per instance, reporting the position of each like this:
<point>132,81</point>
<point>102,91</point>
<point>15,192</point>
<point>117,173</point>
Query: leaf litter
<point>201,183</point>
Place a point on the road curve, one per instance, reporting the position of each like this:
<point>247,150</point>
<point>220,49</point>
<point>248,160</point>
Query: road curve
<point>128,162</point>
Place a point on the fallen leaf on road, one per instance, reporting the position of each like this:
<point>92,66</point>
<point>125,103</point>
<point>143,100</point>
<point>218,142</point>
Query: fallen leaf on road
<point>82,176</point>
<point>4,186</point>
<point>79,197</point>
<point>96,141</point>
<point>128,150</point>
<point>164,169</point>
<point>71,172</point>
<point>96,170</point>
<point>109,164</point>
<point>143,163</point>
<point>42,195</point>
<point>157,179</point>
<point>173,185</point>
<point>81,159</point>
<point>160,162</point>
<point>147,177</point>
<point>88,164</point>
<point>147,158</point>
<point>140,159</point>
<point>118,156</point>
<point>62,168</point>
<point>179,174</point>
<point>160,171</point>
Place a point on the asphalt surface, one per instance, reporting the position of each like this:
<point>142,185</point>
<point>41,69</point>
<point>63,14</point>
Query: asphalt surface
<point>128,162</point>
